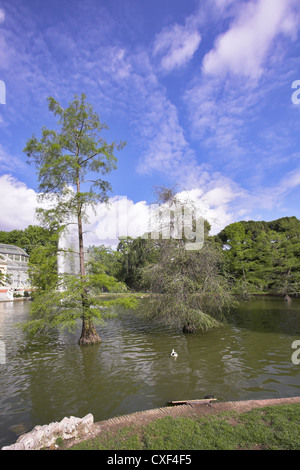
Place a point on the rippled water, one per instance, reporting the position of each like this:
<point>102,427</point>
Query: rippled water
<point>132,370</point>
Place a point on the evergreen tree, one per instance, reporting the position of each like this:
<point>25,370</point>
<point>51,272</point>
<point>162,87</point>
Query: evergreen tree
<point>70,163</point>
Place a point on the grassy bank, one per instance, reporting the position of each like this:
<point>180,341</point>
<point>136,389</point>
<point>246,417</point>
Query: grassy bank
<point>270,428</point>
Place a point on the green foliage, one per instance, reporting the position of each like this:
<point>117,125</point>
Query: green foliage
<point>136,253</point>
<point>263,256</point>
<point>102,259</point>
<point>187,287</point>
<point>63,306</point>
<point>28,239</point>
<point>42,266</point>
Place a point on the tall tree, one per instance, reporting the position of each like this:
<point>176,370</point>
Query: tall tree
<point>70,163</point>
<point>187,286</point>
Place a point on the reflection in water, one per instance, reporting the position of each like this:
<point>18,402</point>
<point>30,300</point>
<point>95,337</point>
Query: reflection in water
<point>131,369</point>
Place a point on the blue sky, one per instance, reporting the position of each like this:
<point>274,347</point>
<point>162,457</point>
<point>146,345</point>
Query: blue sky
<point>200,90</point>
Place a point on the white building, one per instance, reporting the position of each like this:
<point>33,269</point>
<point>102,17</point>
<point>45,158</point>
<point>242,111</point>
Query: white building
<point>13,267</point>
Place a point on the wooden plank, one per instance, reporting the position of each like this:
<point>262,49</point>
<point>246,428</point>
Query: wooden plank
<point>185,402</point>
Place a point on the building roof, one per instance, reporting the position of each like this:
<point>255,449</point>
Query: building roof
<point>11,250</point>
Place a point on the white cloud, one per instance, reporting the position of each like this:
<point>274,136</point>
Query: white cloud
<point>217,110</point>
<point>121,217</point>
<point>286,185</point>
<point>218,201</point>
<point>158,129</point>
<point>117,63</point>
<point>168,149</point>
<point>223,4</point>
<point>226,105</point>
<point>176,45</point>
<point>243,48</point>
<point>18,204</point>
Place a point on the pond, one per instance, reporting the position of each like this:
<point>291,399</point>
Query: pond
<point>44,380</point>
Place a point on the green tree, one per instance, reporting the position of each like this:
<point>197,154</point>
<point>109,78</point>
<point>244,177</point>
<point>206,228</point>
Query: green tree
<point>27,239</point>
<point>104,260</point>
<point>136,253</point>
<point>42,266</point>
<point>285,277</point>
<point>263,256</point>
<point>188,287</point>
<point>70,163</point>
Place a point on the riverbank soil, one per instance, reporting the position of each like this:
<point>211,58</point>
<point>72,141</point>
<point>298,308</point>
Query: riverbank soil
<point>225,412</point>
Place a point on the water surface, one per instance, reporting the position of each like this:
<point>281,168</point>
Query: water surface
<point>131,370</point>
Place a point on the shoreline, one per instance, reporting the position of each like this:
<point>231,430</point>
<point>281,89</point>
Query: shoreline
<point>189,410</point>
<point>92,429</point>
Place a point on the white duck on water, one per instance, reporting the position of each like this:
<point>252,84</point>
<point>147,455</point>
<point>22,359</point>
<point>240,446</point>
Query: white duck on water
<point>173,353</point>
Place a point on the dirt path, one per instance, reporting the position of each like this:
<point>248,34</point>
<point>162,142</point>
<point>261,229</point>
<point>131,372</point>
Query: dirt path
<point>190,410</point>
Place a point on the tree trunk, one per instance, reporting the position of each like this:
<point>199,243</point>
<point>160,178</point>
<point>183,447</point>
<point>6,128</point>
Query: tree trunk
<point>89,334</point>
<point>189,328</point>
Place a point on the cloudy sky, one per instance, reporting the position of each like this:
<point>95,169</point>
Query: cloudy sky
<point>203,91</point>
